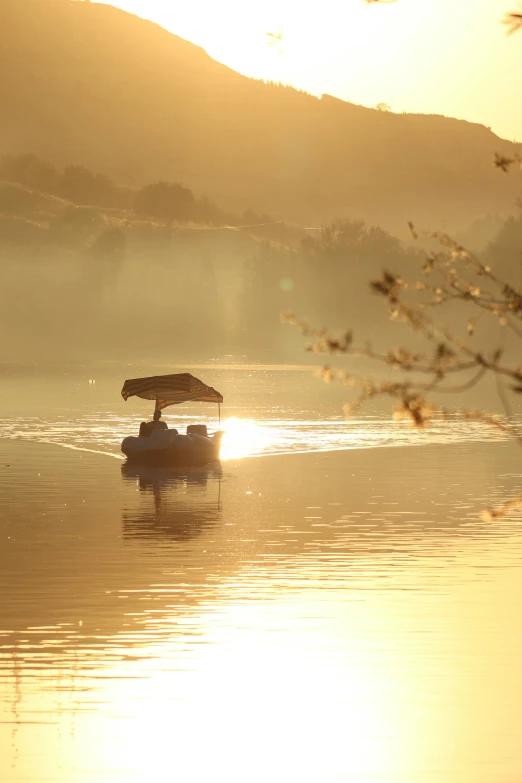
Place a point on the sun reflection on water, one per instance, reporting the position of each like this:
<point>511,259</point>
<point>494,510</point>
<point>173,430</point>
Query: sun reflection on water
<point>243,437</point>
<point>234,688</point>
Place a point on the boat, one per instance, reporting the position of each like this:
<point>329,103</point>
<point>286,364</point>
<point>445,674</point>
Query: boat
<point>156,444</point>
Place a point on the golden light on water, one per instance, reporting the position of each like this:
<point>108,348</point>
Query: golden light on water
<point>240,688</point>
<point>242,438</point>
<point>331,627</point>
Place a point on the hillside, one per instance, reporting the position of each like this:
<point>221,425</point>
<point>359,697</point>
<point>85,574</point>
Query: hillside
<point>88,82</point>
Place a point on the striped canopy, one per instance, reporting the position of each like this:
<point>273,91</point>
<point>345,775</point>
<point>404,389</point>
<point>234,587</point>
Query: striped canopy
<point>168,390</point>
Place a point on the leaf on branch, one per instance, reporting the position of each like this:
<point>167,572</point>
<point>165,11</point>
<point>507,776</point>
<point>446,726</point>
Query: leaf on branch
<point>326,373</point>
<point>428,266</point>
<point>457,251</point>
<point>503,163</point>
<point>402,359</point>
<point>513,22</point>
<point>444,355</point>
<point>388,286</point>
<point>288,317</point>
<point>328,344</point>
<point>416,410</point>
<point>341,345</point>
<point>349,380</point>
<point>412,230</point>
<point>498,513</point>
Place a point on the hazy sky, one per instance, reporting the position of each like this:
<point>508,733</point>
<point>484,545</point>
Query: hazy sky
<point>448,57</point>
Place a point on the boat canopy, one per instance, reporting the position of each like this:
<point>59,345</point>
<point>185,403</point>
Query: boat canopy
<point>168,390</point>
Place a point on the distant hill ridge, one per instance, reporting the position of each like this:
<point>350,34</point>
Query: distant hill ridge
<point>88,82</point>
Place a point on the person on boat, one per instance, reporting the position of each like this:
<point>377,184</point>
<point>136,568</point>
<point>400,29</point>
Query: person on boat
<point>147,427</point>
<point>156,424</point>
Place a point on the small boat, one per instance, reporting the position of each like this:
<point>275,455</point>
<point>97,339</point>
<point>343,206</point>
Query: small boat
<point>156,444</point>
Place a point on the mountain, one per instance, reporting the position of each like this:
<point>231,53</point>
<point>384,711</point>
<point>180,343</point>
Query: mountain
<point>85,82</point>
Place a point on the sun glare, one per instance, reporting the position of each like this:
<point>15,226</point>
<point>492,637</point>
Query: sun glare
<point>284,41</point>
<point>365,53</point>
<point>239,688</point>
<point>242,438</point>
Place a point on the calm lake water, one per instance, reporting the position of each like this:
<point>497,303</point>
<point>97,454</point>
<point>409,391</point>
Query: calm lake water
<point>326,604</point>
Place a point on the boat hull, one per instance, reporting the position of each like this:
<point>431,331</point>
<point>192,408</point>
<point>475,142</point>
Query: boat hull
<point>165,448</point>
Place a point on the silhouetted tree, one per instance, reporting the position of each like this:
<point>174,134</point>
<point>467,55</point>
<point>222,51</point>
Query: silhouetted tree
<point>347,251</point>
<point>205,211</point>
<point>30,171</point>
<point>81,186</point>
<point>166,201</point>
<point>77,183</point>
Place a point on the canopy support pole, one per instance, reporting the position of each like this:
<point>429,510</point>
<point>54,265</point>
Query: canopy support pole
<point>219,414</point>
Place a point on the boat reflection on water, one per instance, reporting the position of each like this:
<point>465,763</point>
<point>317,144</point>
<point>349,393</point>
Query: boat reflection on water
<point>174,503</point>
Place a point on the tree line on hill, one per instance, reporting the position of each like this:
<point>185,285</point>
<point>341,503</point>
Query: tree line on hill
<point>164,201</point>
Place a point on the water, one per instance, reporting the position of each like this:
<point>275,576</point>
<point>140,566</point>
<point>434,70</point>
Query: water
<point>326,604</point>
<point>267,411</point>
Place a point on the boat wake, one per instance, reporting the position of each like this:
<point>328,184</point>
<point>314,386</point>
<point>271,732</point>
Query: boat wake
<point>102,433</point>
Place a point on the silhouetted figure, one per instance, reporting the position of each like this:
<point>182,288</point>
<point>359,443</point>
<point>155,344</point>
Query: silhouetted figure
<point>144,430</point>
<point>156,423</point>
<point>147,427</point>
